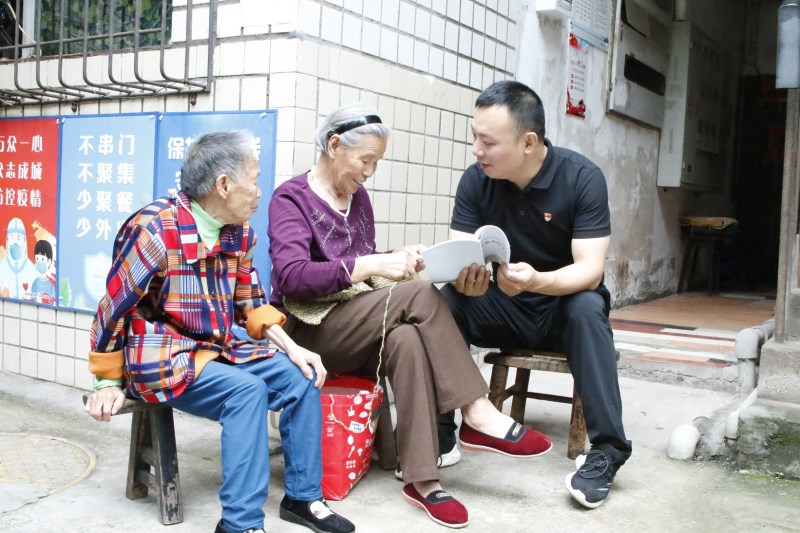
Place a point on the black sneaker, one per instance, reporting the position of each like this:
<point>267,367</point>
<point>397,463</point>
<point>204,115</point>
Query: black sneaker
<point>221,529</point>
<point>589,485</point>
<point>315,515</point>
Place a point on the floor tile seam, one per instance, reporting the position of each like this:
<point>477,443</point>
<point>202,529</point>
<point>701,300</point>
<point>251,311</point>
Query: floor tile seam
<point>677,338</point>
<point>701,347</point>
<point>639,349</point>
<point>666,343</point>
<point>695,353</point>
<point>658,359</point>
<point>705,332</point>
<point>648,323</point>
<point>722,344</point>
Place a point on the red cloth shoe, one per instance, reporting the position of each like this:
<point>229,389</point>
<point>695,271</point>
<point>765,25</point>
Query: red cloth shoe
<point>520,441</point>
<point>440,506</point>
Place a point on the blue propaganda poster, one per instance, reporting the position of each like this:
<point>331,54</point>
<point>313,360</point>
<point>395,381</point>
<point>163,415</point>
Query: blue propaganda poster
<point>176,131</point>
<point>106,175</point>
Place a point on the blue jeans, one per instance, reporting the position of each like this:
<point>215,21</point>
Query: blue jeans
<point>238,396</point>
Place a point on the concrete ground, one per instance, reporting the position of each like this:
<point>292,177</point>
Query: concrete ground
<point>62,471</point>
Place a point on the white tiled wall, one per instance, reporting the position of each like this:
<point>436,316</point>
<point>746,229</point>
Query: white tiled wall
<point>44,343</point>
<point>421,63</point>
<point>471,42</point>
<point>425,148</point>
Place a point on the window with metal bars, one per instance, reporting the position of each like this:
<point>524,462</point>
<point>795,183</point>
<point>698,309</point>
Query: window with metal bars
<point>103,24</point>
<point>49,43</point>
<point>54,27</point>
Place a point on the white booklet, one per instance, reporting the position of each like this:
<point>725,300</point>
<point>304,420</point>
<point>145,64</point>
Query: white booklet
<point>444,261</point>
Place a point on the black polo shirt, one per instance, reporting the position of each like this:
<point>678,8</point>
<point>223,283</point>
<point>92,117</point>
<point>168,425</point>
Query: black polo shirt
<point>566,200</point>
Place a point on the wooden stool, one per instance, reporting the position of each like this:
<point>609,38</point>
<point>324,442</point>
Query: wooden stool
<point>153,447</point>
<point>712,243</point>
<point>525,361</point>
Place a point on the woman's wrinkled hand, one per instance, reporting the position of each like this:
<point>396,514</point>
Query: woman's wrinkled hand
<point>104,403</point>
<point>399,265</point>
<point>416,252</point>
<point>305,361</point>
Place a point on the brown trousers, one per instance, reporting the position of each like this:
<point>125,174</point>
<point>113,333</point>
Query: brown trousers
<point>424,357</point>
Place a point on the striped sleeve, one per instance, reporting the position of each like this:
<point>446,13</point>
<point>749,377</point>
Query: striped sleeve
<point>139,254</point>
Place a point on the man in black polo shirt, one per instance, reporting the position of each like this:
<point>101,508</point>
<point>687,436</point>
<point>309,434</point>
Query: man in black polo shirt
<point>553,205</point>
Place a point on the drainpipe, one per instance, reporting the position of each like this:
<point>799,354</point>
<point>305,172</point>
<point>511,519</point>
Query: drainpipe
<point>716,435</point>
<point>681,9</point>
<point>731,432</point>
<point>748,350</point>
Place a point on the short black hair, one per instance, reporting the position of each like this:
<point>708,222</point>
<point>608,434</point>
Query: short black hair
<point>522,102</point>
<point>43,248</point>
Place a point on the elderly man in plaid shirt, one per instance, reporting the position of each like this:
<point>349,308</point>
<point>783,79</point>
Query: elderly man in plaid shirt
<point>182,276</point>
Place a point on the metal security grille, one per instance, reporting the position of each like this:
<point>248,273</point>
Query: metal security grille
<point>74,50</point>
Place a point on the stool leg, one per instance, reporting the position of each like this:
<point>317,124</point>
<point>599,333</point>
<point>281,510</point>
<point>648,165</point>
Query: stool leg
<point>497,386</point>
<point>140,439</point>
<point>692,265</point>
<point>695,258</point>
<point>520,394</point>
<point>685,268</point>
<point>576,443</point>
<point>715,267</point>
<point>168,489</point>
<point>710,271</point>
<point>384,439</point>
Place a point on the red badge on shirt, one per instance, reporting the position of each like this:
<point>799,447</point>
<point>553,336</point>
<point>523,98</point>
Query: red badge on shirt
<point>548,217</point>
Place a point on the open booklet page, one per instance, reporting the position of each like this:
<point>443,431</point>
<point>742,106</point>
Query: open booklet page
<point>494,243</point>
<point>444,261</point>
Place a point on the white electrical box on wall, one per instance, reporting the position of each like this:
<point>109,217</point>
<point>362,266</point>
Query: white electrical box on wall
<point>696,118</point>
<point>639,60</point>
<point>557,8</point>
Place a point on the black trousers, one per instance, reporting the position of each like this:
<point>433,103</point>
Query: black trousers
<point>576,324</point>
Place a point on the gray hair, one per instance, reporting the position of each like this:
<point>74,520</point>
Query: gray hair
<point>353,137</point>
<point>214,154</point>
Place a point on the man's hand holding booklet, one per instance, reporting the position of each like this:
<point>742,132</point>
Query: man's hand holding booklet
<point>444,261</point>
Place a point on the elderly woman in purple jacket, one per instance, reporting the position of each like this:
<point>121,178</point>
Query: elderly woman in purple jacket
<point>363,311</point>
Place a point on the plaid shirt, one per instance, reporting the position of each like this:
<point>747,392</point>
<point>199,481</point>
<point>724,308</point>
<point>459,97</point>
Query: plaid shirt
<point>167,298</point>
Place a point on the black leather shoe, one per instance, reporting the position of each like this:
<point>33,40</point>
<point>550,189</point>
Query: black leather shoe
<point>221,529</point>
<point>315,515</point>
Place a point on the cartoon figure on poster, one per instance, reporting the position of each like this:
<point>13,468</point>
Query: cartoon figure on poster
<point>43,288</point>
<point>91,282</point>
<point>46,290</point>
<point>95,268</point>
<point>16,269</point>
<point>22,278</point>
